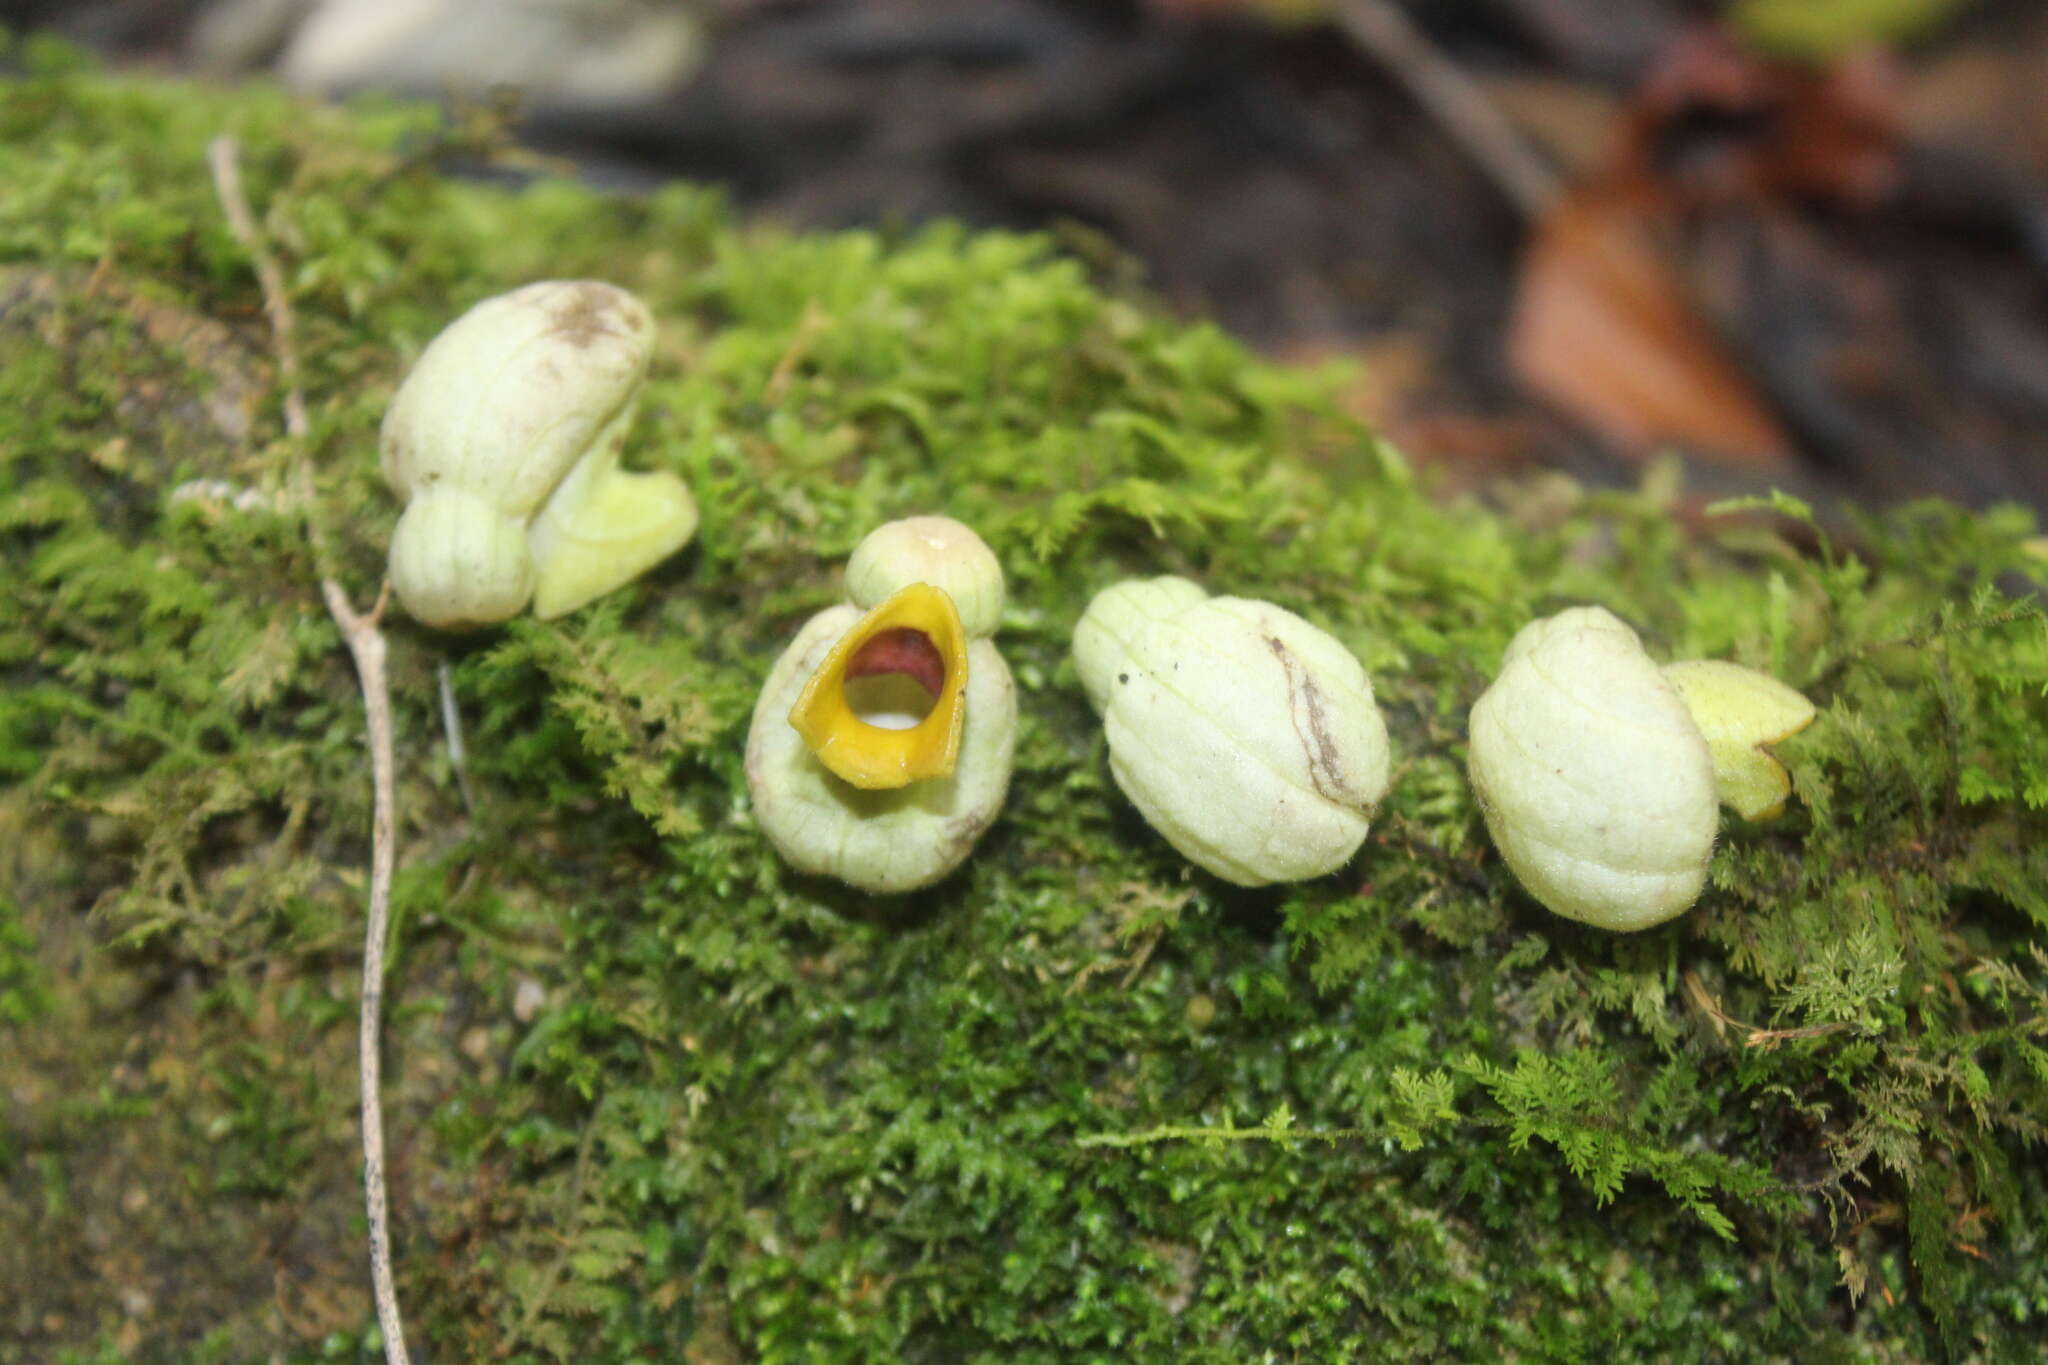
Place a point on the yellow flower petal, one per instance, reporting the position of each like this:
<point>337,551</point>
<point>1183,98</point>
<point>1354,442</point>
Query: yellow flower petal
<point>1740,710</point>
<point>624,526</point>
<point>915,633</point>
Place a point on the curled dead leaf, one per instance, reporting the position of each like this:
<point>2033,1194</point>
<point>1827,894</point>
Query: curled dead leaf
<point>1603,328</point>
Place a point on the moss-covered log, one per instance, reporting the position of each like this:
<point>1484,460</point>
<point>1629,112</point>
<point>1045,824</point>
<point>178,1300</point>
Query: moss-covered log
<point>654,1096</point>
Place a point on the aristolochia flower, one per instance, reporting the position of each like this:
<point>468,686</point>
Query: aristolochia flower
<point>881,745</point>
<point>1245,735</point>
<point>504,441</point>
<point>1599,773</point>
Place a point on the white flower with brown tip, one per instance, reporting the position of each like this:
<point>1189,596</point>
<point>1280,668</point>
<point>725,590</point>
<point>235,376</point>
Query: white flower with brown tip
<point>504,441</point>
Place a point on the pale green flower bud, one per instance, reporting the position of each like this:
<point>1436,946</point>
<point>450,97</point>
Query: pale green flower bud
<point>514,417</point>
<point>935,550</point>
<point>1594,781</point>
<point>1246,736</point>
<point>1599,773</point>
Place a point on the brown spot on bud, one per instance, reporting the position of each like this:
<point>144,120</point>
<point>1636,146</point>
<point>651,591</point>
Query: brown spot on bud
<point>589,312</point>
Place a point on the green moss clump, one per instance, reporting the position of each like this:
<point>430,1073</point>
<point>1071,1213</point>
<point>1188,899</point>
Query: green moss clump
<point>653,1094</point>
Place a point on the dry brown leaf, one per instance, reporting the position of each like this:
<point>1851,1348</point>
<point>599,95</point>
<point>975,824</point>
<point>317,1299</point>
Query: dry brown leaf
<point>1603,329</point>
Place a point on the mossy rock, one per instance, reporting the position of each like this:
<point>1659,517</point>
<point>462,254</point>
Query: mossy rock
<point>654,1096</point>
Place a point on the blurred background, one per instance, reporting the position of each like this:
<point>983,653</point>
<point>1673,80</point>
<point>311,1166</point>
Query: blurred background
<point>1803,243</point>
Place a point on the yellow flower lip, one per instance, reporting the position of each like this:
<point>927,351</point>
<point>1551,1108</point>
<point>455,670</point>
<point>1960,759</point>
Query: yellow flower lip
<point>1740,711</point>
<point>916,633</point>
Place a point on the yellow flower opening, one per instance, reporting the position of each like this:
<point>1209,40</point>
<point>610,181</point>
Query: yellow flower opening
<point>886,707</point>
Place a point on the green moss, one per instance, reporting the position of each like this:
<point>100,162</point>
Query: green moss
<point>762,1117</point>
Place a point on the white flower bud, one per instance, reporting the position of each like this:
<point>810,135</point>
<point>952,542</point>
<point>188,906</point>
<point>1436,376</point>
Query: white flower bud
<point>1245,735</point>
<point>935,550</point>
<point>504,441</point>
<point>1599,773</point>
<point>1595,783</point>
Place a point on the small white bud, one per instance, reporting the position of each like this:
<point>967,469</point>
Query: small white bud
<point>935,550</point>
<point>1594,781</point>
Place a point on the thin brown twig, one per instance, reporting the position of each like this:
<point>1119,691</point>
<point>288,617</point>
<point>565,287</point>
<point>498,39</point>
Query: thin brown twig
<point>1142,956</point>
<point>1455,101</point>
<point>1770,1037</point>
<point>366,646</point>
<point>366,643</point>
<point>808,328</point>
<point>223,154</point>
<point>1754,1035</point>
<point>1702,997</point>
